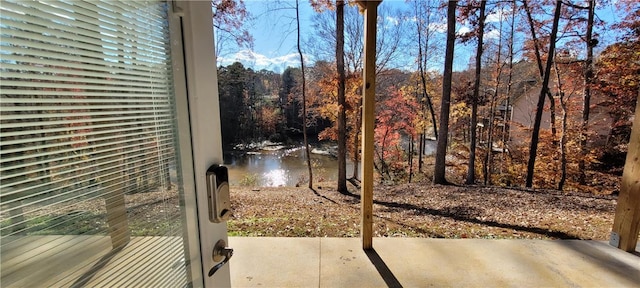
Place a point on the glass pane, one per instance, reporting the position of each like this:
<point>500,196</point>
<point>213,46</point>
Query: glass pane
<point>89,176</point>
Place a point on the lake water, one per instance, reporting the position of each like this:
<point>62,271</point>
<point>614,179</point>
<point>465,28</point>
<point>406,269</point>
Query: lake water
<point>275,166</point>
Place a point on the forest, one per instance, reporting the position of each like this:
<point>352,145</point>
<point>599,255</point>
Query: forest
<point>546,100</point>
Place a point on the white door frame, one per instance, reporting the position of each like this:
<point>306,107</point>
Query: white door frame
<point>198,111</point>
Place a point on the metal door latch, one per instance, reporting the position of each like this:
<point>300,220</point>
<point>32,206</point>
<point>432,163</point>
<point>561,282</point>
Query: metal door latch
<point>218,194</point>
<point>222,254</point>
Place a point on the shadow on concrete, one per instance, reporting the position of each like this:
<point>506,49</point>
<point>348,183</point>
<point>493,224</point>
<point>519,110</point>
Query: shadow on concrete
<point>383,269</point>
<point>594,251</point>
<point>87,276</point>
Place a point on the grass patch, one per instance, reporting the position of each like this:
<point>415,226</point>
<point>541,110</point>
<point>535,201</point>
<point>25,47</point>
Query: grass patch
<point>164,227</point>
<point>72,223</point>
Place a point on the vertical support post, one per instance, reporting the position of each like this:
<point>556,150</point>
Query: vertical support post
<point>116,209</point>
<point>368,120</point>
<point>626,224</point>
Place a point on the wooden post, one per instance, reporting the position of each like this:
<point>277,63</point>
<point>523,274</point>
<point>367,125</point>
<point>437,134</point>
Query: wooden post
<point>368,120</point>
<point>626,224</point>
<point>116,208</point>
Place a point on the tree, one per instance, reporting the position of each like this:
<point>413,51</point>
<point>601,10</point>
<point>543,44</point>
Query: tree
<point>499,65</point>
<point>441,152</point>
<point>535,39</point>
<point>588,82</point>
<point>544,89</point>
<point>396,116</point>
<point>390,37</point>
<point>425,32</point>
<point>233,108</point>
<point>471,169</point>
<point>618,82</point>
<point>566,88</point>
<point>290,104</point>
<point>342,115</point>
<point>229,17</point>
<point>304,99</point>
<point>506,120</point>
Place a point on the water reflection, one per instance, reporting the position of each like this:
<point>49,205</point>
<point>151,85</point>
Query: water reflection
<point>276,165</point>
<point>279,167</point>
<point>275,178</point>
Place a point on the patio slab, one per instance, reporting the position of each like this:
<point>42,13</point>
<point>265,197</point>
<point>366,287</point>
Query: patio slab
<point>421,262</point>
<point>275,262</point>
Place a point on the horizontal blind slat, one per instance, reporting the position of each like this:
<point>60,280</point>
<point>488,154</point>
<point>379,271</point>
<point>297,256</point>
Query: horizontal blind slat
<point>153,87</point>
<point>90,32</point>
<point>79,120</point>
<point>70,175</point>
<point>99,94</point>
<point>23,100</point>
<point>76,114</point>
<point>112,74</point>
<point>61,151</point>
<point>69,61</point>
<point>157,83</point>
<point>81,106</point>
<point>10,145</point>
<point>72,45</point>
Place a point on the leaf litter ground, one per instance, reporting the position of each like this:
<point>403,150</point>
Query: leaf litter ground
<point>422,210</point>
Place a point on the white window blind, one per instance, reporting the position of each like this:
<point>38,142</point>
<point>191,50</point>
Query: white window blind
<point>88,179</point>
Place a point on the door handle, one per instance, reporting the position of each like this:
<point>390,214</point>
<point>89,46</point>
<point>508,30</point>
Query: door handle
<point>221,253</point>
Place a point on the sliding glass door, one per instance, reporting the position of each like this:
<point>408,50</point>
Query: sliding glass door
<point>92,180</point>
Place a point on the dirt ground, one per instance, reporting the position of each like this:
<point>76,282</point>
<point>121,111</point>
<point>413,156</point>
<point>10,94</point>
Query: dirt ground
<point>422,210</point>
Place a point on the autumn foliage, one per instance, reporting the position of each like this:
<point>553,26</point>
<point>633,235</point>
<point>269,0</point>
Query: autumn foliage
<point>515,49</point>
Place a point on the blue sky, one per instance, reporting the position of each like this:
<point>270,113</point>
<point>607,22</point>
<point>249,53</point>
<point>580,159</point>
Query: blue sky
<point>274,30</point>
<point>274,33</point>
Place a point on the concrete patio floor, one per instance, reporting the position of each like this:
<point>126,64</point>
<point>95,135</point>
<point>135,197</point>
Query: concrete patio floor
<point>420,262</point>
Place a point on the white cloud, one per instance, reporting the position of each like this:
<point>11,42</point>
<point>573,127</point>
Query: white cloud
<point>393,20</point>
<point>498,15</point>
<point>258,61</point>
<point>493,34</point>
<point>438,27</point>
<point>463,30</point>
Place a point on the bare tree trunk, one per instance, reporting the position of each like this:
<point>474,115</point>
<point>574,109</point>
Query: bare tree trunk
<point>488,163</point>
<point>421,58</point>
<point>420,151</point>
<point>545,89</point>
<point>410,158</point>
<point>471,168</point>
<point>489,153</point>
<point>421,135</point>
<point>356,144</point>
<point>552,117</point>
<point>489,145</point>
<point>441,151</point>
<point>563,136</point>
<point>588,80</point>
<point>304,100</point>
<point>536,46</point>
<point>428,98</point>
<point>342,115</point>
<point>505,119</point>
